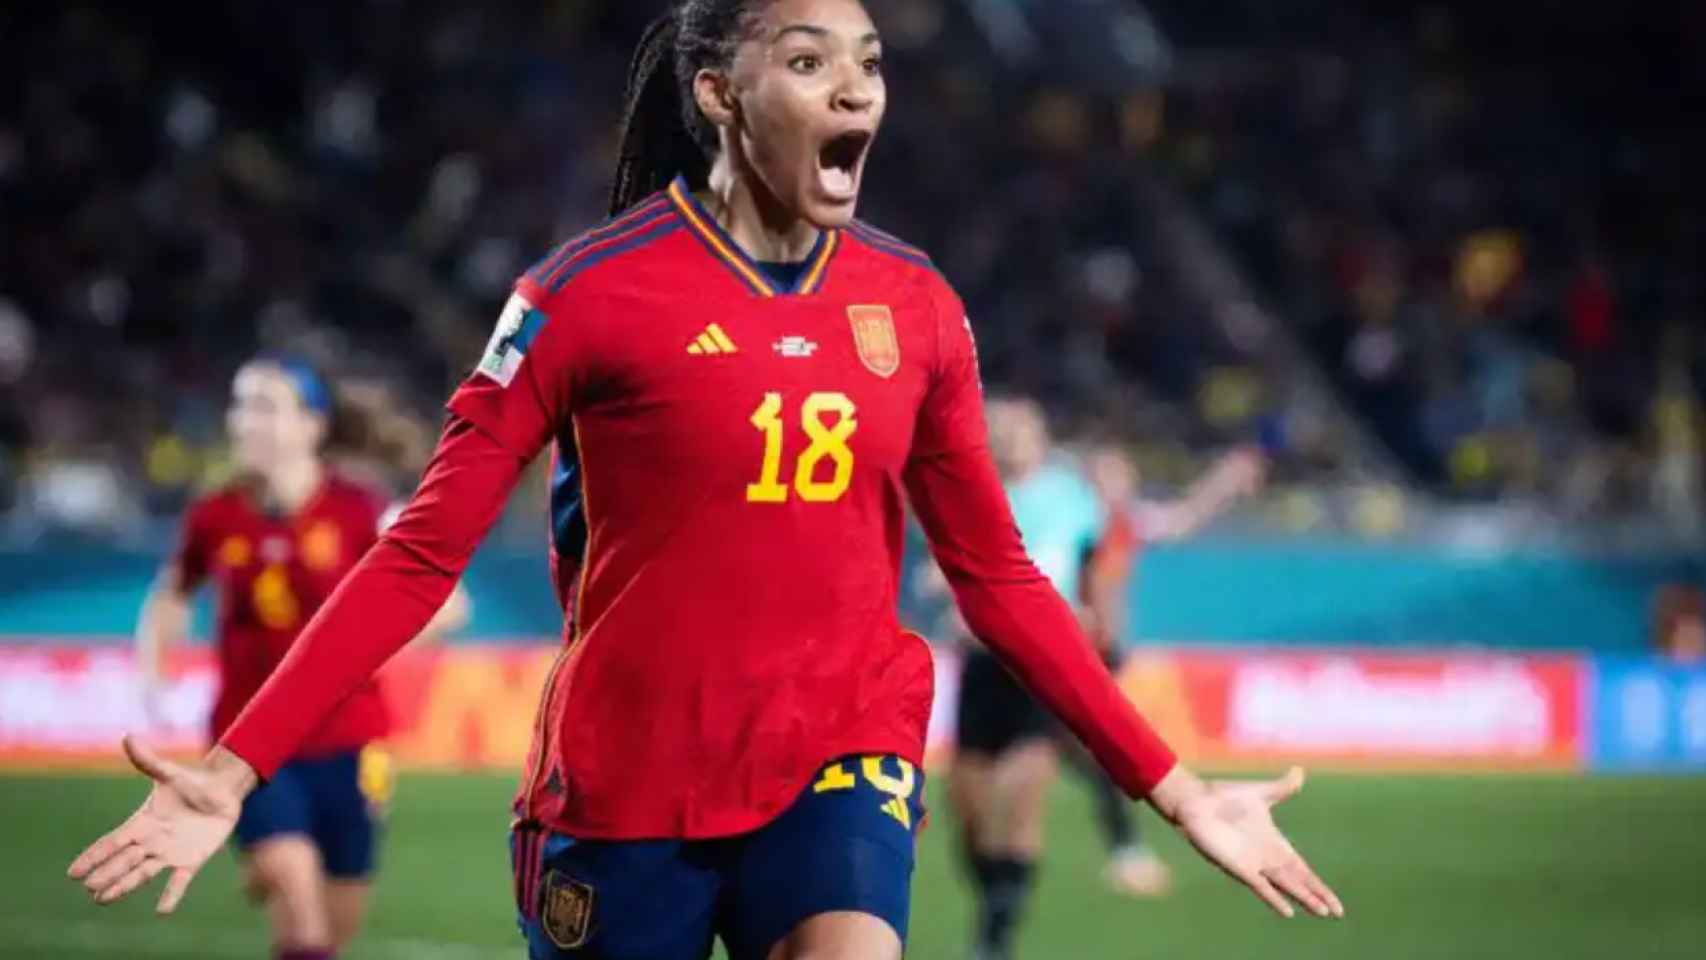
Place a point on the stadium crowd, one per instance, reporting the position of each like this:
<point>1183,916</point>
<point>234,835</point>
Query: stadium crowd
<point>360,182</point>
<point>1486,221</point>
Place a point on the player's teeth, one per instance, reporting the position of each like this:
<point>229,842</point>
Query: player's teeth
<point>837,181</point>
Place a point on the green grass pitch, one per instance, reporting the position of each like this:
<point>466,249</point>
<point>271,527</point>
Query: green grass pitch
<point>1513,867</point>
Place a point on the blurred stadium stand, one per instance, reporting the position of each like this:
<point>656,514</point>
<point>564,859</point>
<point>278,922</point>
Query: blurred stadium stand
<point>1442,258</point>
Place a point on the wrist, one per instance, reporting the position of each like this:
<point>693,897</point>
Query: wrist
<point>1175,791</point>
<point>231,772</point>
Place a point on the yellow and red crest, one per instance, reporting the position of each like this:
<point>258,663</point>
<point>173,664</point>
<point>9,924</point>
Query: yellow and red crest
<point>874,336</point>
<point>322,547</point>
<point>234,551</point>
<point>565,911</point>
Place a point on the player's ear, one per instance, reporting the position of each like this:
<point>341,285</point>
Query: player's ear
<point>715,95</point>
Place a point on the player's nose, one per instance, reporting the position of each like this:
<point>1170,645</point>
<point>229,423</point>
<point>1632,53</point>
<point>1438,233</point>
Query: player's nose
<point>856,93</point>
<point>854,101</point>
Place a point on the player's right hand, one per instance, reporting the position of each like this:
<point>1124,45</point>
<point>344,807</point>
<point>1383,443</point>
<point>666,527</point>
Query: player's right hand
<point>186,817</point>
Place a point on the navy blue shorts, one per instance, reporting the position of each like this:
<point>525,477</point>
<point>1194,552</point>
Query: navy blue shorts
<point>845,845</point>
<point>335,801</point>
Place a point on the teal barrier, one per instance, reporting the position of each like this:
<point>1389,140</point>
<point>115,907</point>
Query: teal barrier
<point>97,594</point>
<point>1288,592</point>
<point>1206,591</point>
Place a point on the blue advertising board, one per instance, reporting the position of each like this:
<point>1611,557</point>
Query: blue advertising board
<point>1646,715</point>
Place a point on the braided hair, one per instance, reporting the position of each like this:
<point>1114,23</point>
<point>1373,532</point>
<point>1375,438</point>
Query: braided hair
<point>663,132</point>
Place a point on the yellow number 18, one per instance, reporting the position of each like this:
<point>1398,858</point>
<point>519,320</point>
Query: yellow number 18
<point>826,442</point>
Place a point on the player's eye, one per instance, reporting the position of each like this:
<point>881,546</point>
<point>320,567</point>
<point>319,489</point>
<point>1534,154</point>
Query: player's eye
<point>873,66</point>
<point>805,63</point>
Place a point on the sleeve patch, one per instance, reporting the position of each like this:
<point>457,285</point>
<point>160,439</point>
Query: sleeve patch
<point>518,325</point>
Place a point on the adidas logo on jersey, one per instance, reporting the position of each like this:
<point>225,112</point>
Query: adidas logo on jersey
<point>711,343</point>
<point>795,347</point>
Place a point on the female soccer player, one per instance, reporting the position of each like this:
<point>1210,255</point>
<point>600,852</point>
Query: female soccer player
<point>276,542</point>
<point>744,385</point>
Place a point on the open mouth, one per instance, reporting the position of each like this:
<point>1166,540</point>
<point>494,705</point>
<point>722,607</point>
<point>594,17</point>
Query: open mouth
<point>839,161</point>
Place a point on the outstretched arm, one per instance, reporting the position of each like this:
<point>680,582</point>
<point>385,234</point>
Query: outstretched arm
<point>385,601</point>
<point>451,617</point>
<point>1010,606</point>
<point>500,419</point>
<point>457,610</point>
<point>1013,609</point>
<point>1237,474</point>
<point>163,624</point>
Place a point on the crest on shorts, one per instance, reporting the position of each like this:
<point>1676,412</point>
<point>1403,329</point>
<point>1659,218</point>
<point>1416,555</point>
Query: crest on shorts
<point>874,336</point>
<point>565,911</point>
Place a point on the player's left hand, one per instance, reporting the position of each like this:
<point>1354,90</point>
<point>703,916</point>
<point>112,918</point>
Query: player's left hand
<point>1231,824</point>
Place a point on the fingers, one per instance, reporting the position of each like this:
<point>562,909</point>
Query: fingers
<point>143,758</point>
<point>1293,879</point>
<point>1317,886</point>
<point>1286,787</point>
<point>103,849</point>
<point>93,854</point>
<point>143,872</point>
<point>176,885</point>
<point>1265,889</point>
<point>116,866</point>
<point>1293,863</point>
<point>127,833</point>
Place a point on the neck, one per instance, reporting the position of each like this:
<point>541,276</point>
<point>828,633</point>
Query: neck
<point>764,229</point>
<point>289,487</point>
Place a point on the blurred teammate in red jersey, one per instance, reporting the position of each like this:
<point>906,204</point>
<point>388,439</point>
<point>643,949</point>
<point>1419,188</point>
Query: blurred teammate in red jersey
<point>275,543</point>
<point>1105,590</point>
<point>744,386</point>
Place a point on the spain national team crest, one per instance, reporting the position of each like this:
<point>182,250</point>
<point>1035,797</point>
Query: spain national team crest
<point>565,911</point>
<point>235,551</point>
<point>322,548</point>
<point>874,335</point>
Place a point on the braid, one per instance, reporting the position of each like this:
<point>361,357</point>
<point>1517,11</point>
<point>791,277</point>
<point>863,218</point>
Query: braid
<point>663,132</point>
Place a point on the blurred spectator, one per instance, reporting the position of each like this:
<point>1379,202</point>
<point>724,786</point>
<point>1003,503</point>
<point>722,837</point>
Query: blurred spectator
<point>1679,624</point>
<point>1478,252</point>
<point>1480,217</point>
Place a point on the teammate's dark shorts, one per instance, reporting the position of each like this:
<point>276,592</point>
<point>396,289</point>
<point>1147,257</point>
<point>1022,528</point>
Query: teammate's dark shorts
<point>845,845</point>
<point>335,801</point>
<point>995,712</point>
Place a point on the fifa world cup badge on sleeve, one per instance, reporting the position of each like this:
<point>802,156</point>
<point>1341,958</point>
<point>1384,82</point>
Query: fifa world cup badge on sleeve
<point>873,334</point>
<point>566,911</point>
<point>517,326</point>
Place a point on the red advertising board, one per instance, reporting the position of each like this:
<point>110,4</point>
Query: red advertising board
<point>1364,710</point>
<point>460,707</point>
<point>473,707</point>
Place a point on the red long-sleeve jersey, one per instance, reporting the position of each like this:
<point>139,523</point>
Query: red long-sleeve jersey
<point>272,573</point>
<point>733,462</point>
